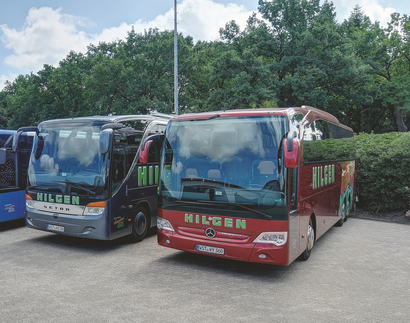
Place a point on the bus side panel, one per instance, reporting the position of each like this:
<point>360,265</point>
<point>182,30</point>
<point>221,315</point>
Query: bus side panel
<point>145,197</point>
<point>12,205</point>
<point>142,190</point>
<point>139,189</point>
<point>329,201</point>
<point>319,197</point>
<point>118,215</point>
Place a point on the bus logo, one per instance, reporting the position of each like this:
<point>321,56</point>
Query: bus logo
<point>210,233</point>
<point>10,208</point>
<point>215,221</point>
<point>63,199</point>
<point>119,222</point>
<point>323,176</point>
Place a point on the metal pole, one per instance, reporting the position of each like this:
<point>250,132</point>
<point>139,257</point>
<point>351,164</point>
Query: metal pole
<point>175,60</point>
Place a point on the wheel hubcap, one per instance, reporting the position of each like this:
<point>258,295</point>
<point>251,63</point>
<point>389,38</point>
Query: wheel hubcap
<point>140,223</point>
<point>310,237</point>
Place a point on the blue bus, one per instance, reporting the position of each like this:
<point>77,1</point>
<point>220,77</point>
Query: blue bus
<point>96,177</point>
<point>14,158</point>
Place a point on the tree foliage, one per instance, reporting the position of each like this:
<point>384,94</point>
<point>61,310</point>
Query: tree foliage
<point>296,55</point>
<point>382,160</point>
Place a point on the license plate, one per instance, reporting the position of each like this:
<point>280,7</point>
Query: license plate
<point>208,249</point>
<point>53,227</point>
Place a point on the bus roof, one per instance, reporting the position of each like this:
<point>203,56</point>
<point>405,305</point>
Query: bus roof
<point>309,112</point>
<point>113,118</point>
<point>7,132</point>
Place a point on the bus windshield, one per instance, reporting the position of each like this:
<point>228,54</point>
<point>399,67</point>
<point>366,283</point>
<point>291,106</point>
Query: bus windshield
<point>67,159</point>
<point>225,164</point>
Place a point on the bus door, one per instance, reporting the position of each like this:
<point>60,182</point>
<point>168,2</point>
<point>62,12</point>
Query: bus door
<point>119,200</point>
<point>144,177</point>
<point>294,225</point>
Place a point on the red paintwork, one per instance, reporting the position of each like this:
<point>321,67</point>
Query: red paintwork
<point>321,204</point>
<point>144,152</point>
<point>291,157</point>
<point>241,247</point>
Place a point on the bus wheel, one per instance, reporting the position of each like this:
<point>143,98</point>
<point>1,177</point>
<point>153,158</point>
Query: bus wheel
<point>343,216</point>
<point>347,208</point>
<point>310,242</point>
<point>140,225</point>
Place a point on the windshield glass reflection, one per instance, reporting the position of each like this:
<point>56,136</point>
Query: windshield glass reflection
<point>233,161</point>
<point>68,159</point>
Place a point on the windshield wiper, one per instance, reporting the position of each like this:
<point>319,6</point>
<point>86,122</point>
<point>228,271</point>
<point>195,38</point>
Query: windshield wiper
<point>206,180</point>
<point>67,181</point>
<point>255,211</point>
<point>39,185</point>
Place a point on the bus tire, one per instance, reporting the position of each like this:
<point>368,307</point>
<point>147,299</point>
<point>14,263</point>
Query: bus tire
<point>348,204</point>
<point>140,225</point>
<point>342,217</point>
<point>310,241</point>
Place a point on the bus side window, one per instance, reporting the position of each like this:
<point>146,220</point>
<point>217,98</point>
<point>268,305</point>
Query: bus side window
<point>154,150</point>
<point>8,174</point>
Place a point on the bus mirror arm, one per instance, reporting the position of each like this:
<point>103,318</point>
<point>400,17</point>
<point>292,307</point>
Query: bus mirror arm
<point>17,134</point>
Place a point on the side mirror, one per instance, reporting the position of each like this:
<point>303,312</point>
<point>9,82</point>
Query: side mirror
<point>145,146</point>
<point>2,156</point>
<point>291,147</point>
<point>144,152</point>
<point>105,140</point>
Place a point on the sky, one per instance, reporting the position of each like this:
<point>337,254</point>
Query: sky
<point>38,32</point>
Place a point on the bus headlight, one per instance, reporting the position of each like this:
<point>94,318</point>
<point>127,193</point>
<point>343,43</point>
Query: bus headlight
<point>163,224</point>
<point>95,208</point>
<point>275,238</point>
<point>29,202</point>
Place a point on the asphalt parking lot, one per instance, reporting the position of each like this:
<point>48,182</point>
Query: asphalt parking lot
<point>357,273</point>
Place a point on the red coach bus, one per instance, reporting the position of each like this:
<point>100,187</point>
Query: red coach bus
<point>257,185</point>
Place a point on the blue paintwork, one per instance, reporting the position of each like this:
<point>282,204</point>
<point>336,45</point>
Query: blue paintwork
<point>12,205</point>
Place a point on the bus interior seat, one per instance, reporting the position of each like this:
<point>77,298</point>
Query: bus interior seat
<point>214,173</point>
<point>266,167</point>
<point>263,171</point>
<point>191,172</point>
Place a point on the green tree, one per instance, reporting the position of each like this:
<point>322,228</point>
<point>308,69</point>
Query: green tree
<point>383,53</point>
<point>22,101</point>
<point>136,75</point>
<point>240,77</point>
<point>312,62</point>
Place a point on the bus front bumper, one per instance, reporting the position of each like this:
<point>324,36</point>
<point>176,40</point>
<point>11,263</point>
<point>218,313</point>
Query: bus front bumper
<point>92,227</point>
<point>251,252</point>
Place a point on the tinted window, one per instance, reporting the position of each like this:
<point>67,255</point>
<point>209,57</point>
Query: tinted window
<point>326,142</point>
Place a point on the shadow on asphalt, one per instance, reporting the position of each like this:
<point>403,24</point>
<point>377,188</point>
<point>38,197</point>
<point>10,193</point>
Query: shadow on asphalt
<point>83,244</point>
<point>13,224</point>
<point>260,272</point>
<point>209,264</point>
